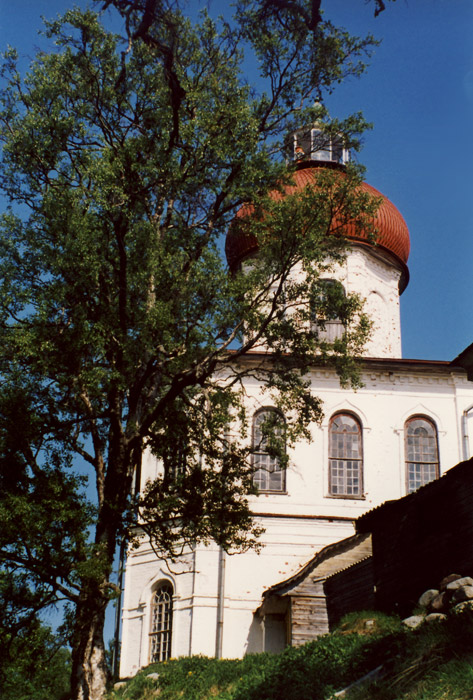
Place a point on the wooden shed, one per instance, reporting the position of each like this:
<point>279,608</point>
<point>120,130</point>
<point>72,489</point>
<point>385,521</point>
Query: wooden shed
<point>295,611</point>
<point>419,539</point>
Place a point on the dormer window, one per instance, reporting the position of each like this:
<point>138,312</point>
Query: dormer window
<point>315,144</point>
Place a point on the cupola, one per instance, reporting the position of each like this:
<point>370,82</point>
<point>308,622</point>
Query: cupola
<point>316,146</point>
<point>312,150</point>
<point>376,270</point>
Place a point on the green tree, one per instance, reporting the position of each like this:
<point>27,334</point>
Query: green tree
<point>125,160</point>
<point>34,662</point>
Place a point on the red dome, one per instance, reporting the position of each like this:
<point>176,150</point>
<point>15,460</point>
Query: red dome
<point>393,234</point>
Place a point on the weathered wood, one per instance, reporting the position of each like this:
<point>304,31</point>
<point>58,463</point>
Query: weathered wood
<point>307,617</point>
<point>421,538</point>
<point>350,590</point>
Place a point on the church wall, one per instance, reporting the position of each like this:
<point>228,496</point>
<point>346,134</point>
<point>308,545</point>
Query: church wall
<point>300,521</point>
<point>376,280</point>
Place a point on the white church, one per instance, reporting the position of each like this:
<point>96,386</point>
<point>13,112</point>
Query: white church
<point>406,426</point>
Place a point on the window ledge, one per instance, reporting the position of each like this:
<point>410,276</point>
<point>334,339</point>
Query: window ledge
<point>345,497</point>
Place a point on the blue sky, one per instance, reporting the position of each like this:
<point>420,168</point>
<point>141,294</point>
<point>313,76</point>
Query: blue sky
<point>418,92</point>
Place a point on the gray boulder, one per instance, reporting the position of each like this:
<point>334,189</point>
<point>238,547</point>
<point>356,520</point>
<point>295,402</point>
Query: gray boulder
<point>461,607</point>
<point>414,621</point>
<point>427,597</point>
<point>448,579</point>
<point>435,617</point>
<point>462,593</point>
<point>459,583</point>
<point>439,603</point>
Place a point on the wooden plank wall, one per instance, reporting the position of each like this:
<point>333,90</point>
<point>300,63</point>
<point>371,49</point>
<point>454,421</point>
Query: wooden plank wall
<point>422,538</point>
<point>309,617</point>
<point>349,591</point>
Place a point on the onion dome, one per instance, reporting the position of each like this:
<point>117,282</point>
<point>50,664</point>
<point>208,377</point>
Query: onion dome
<point>392,238</point>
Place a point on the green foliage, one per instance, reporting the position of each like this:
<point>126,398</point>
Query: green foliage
<point>309,671</point>
<point>431,663</point>
<point>33,665</point>
<point>368,622</point>
<point>124,160</point>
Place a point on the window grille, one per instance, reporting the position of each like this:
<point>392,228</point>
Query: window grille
<point>269,475</point>
<point>161,623</point>
<point>345,456</point>
<point>421,445</point>
<point>324,323</point>
<point>315,144</point>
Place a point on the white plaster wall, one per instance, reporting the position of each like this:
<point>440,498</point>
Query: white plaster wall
<point>301,521</point>
<point>376,280</point>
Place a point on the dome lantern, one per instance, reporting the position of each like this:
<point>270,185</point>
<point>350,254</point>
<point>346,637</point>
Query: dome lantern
<point>314,144</point>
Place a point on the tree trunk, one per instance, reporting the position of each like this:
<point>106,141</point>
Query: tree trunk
<point>89,668</point>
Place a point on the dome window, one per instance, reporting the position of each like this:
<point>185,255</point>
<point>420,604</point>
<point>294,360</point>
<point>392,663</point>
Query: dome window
<point>314,144</point>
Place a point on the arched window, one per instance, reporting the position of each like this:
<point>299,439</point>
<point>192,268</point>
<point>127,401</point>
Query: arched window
<point>325,322</point>
<point>422,456</point>
<point>161,623</point>
<point>269,474</point>
<point>345,456</point>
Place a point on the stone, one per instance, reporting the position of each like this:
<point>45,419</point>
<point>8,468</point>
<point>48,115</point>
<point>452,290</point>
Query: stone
<point>439,603</point>
<point>435,617</point>
<point>461,607</point>
<point>465,581</point>
<point>414,621</point>
<point>427,597</point>
<point>118,685</point>
<point>448,579</point>
<point>462,593</point>
<point>153,676</point>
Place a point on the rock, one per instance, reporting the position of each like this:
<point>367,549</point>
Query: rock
<point>462,593</point>
<point>153,676</point>
<point>369,623</point>
<point>461,607</point>
<point>439,603</point>
<point>448,579</point>
<point>435,617</point>
<point>427,597</point>
<point>459,582</point>
<point>414,621</point>
<point>118,685</point>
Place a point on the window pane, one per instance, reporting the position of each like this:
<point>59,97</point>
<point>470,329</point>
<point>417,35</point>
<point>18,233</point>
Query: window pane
<point>303,145</point>
<point>161,624</point>
<point>345,456</point>
<point>321,146</point>
<point>422,462</point>
<point>324,309</point>
<point>268,476</point>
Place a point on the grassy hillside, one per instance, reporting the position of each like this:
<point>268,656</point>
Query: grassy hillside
<point>434,662</point>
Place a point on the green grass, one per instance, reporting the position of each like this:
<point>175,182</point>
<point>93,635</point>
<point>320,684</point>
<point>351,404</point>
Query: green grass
<point>434,662</point>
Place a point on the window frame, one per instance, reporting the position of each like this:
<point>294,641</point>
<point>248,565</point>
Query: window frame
<point>408,462</point>
<point>161,637</point>
<point>261,452</point>
<point>345,460</point>
<point>327,329</point>
<point>315,144</point>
